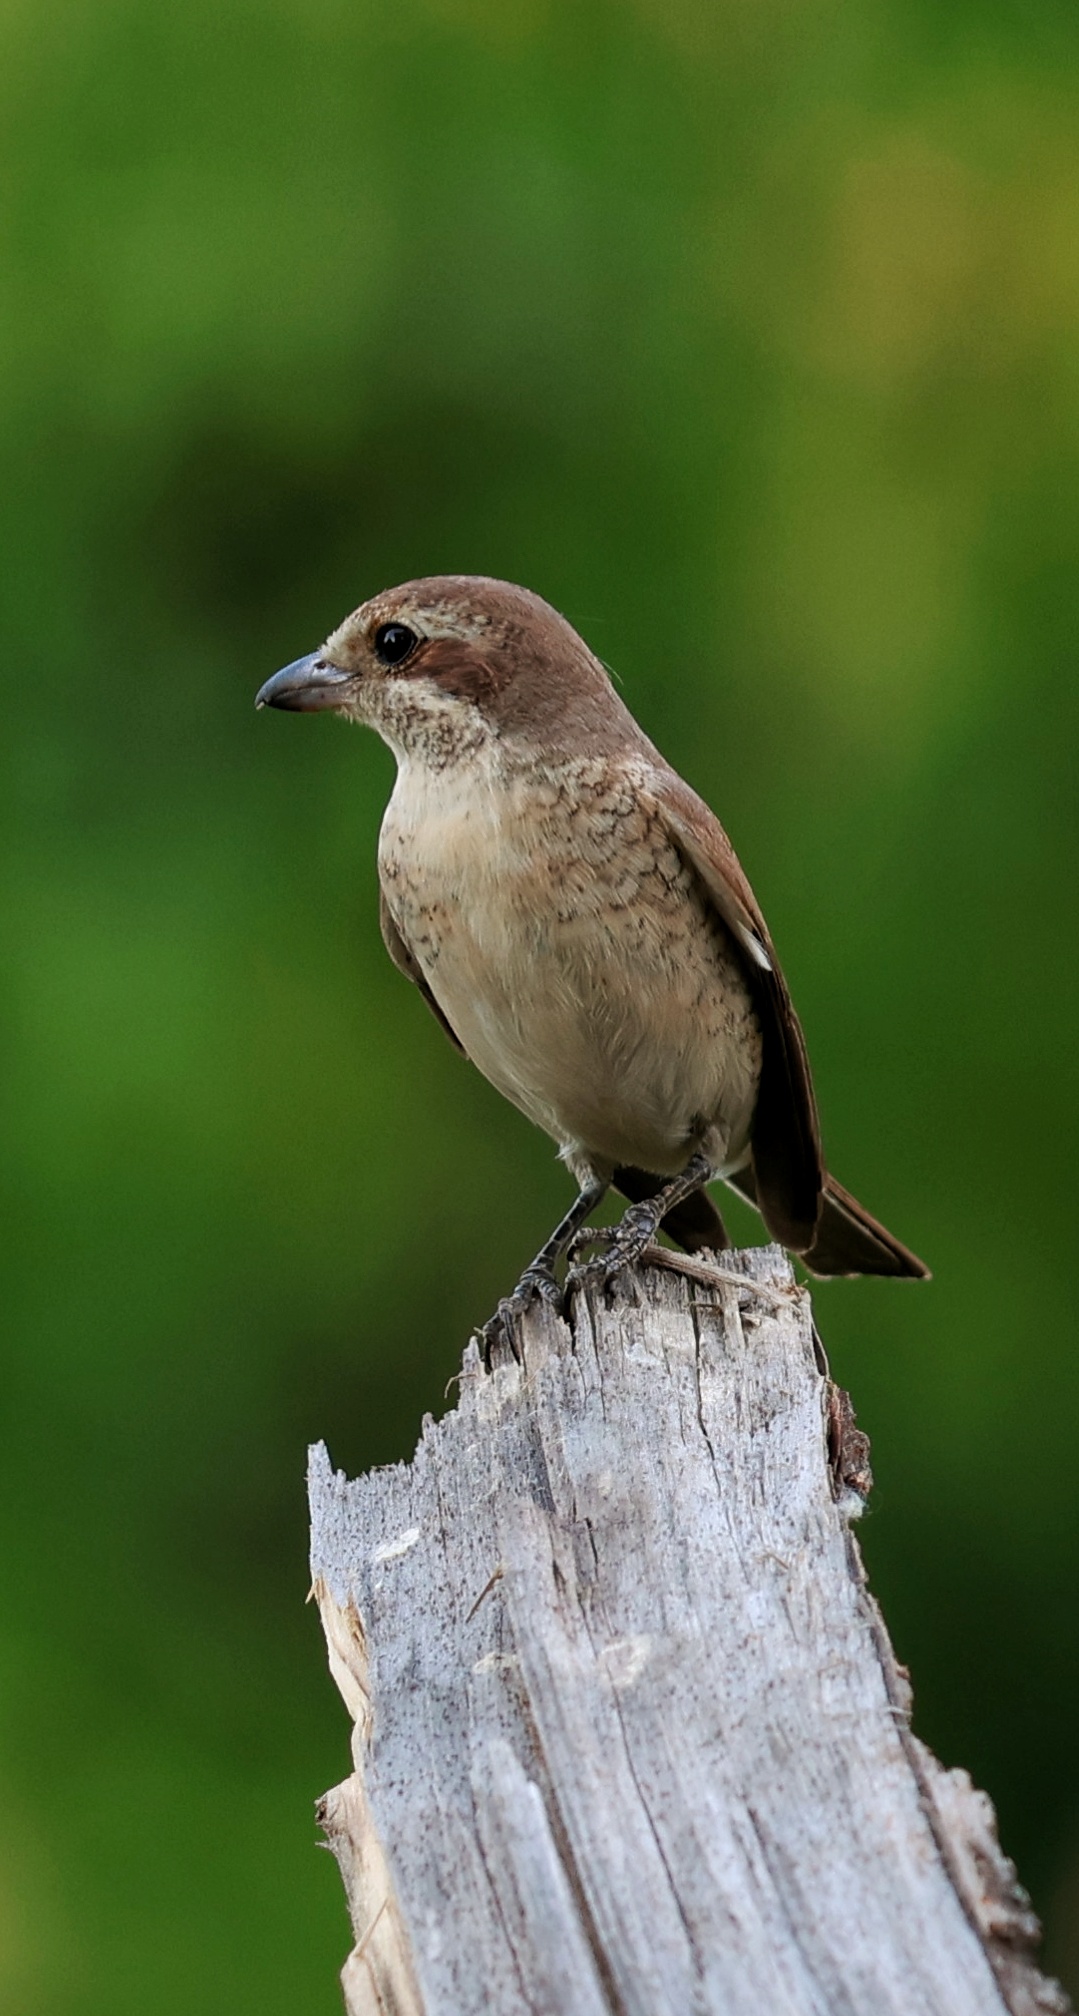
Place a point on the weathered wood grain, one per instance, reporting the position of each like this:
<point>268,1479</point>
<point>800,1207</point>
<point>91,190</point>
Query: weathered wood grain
<point>630,1736</point>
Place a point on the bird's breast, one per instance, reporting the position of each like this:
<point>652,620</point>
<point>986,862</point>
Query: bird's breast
<point>574,954</point>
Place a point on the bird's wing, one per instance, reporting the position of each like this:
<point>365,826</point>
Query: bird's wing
<point>787,1162</point>
<point>406,962</point>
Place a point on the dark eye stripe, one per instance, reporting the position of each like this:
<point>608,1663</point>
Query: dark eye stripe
<point>394,642</point>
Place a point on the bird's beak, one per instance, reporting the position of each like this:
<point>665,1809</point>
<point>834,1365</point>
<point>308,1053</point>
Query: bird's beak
<point>305,685</point>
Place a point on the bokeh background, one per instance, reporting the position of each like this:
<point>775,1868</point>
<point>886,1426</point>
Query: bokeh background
<point>745,331</point>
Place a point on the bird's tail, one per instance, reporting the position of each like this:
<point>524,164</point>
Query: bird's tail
<point>847,1240</point>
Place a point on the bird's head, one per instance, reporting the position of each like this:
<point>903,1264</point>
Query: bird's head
<point>439,666</point>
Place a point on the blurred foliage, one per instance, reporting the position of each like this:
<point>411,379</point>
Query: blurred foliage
<point>746,333</point>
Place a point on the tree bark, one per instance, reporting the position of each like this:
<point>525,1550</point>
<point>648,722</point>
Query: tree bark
<point>629,1733</point>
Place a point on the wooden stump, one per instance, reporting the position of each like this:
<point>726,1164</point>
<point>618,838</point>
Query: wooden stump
<point>630,1736</point>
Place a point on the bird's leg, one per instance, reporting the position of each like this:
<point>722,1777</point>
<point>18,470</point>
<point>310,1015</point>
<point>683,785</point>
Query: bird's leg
<point>539,1276</point>
<point>626,1241</point>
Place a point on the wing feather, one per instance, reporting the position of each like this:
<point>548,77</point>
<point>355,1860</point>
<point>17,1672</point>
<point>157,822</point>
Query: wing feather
<point>787,1161</point>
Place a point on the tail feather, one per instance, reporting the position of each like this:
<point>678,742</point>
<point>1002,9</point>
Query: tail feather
<point>848,1240</point>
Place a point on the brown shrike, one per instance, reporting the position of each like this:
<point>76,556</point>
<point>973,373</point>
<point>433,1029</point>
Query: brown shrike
<point>577,920</point>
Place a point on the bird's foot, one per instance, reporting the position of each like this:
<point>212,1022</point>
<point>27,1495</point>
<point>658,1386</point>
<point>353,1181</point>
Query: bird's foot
<point>622,1246</point>
<point>536,1284</point>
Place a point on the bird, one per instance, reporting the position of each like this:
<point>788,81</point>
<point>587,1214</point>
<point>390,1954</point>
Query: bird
<point>578,922</point>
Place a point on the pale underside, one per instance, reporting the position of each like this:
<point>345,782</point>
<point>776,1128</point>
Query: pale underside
<point>575,955</point>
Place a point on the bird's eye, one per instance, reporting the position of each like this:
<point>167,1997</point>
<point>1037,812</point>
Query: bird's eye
<point>394,642</point>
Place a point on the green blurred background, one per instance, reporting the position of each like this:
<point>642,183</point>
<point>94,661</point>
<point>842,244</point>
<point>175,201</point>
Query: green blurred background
<point>746,333</point>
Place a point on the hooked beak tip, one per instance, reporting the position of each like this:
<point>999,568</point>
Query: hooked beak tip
<point>305,686</point>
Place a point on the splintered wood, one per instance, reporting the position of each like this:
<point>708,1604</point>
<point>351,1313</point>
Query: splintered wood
<point>629,1733</point>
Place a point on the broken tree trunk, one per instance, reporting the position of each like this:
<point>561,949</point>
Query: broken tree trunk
<point>630,1736</point>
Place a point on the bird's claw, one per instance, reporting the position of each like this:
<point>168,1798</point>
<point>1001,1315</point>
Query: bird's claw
<point>539,1281</point>
<point>622,1246</point>
<point>536,1284</point>
<point>592,1235</point>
